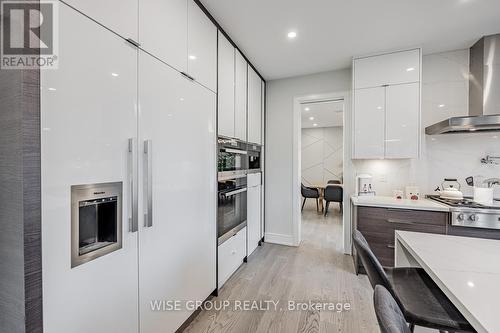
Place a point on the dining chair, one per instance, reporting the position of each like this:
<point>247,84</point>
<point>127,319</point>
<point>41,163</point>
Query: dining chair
<point>311,193</point>
<point>389,315</point>
<point>334,193</point>
<point>420,299</point>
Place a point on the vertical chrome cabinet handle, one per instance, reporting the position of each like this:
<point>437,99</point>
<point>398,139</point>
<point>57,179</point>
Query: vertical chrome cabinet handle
<point>134,214</point>
<point>148,183</point>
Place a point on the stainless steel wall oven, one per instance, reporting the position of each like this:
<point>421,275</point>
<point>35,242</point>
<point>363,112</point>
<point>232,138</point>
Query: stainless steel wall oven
<point>232,157</point>
<point>231,207</point>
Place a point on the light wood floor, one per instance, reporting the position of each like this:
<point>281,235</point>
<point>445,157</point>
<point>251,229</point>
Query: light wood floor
<point>317,270</point>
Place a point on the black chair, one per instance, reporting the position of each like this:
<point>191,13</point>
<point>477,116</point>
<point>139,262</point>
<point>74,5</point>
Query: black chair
<point>389,315</point>
<point>309,192</point>
<point>418,296</point>
<point>334,193</point>
<point>334,182</point>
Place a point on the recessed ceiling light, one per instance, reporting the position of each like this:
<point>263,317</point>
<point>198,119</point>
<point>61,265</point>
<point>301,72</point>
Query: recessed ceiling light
<point>315,125</point>
<point>311,118</point>
<point>470,284</point>
<point>292,34</point>
<point>379,108</point>
<point>307,109</point>
<point>52,89</point>
<point>410,69</point>
<point>192,57</point>
<point>441,105</point>
<point>115,74</point>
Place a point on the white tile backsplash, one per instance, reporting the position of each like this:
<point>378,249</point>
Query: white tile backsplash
<point>444,82</point>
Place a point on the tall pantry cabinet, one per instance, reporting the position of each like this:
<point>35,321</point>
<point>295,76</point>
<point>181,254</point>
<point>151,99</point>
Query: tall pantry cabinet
<point>114,113</point>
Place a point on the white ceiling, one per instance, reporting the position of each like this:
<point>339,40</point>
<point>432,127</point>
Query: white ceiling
<point>331,32</point>
<point>324,114</point>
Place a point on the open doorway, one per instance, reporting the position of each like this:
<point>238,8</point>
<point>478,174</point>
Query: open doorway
<point>325,121</point>
<point>322,160</point>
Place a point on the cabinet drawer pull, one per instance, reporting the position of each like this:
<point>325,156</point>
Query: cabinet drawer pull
<point>400,221</point>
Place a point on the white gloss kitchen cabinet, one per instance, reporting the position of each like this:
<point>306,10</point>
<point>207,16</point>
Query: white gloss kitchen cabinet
<point>116,119</point>
<point>232,91</point>
<point>119,16</point>
<point>240,97</point>
<point>176,243</point>
<point>179,33</point>
<point>386,105</point>
<point>254,107</point>
<point>254,211</point>
<point>225,89</point>
<point>231,254</point>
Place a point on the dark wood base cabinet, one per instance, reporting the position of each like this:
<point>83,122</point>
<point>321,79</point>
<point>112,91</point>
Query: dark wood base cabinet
<point>378,225</point>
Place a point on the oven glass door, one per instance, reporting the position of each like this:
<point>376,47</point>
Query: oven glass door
<point>232,205</point>
<point>229,160</point>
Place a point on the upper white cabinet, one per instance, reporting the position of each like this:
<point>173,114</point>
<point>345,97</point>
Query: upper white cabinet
<point>387,69</point>
<point>240,97</point>
<point>202,47</point>
<point>119,16</point>
<point>178,33</point>
<point>402,129</point>
<point>254,107</point>
<point>387,105</point>
<point>369,123</point>
<point>226,78</point>
<point>163,31</point>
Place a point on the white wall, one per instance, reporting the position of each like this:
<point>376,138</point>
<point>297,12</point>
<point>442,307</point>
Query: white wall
<point>279,141</point>
<point>322,154</point>
<point>452,155</point>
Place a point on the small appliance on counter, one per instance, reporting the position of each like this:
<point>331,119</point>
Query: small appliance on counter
<point>364,185</point>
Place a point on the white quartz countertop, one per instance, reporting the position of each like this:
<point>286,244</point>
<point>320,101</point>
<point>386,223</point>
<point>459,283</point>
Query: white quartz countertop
<point>390,202</point>
<point>466,269</point>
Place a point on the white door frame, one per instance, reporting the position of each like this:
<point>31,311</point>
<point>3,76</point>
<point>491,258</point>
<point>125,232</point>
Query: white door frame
<point>348,173</point>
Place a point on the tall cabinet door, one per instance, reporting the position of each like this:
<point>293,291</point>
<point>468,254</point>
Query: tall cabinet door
<point>88,113</point>
<point>177,244</point>
<point>240,98</point>
<point>253,218</point>
<point>254,107</point>
<point>226,87</point>
<point>202,47</point>
<point>118,15</point>
<point>402,126</point>
<point>369,123</point>
<point>163,31</point>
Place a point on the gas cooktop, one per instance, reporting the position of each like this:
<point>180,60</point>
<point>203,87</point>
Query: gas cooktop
<point>467,213</point>
<point>466,202</point>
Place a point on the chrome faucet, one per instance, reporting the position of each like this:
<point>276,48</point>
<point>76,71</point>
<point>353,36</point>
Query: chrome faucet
<point>491,181</point>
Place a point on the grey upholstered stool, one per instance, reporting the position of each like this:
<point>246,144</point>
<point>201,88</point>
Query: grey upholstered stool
<point>389,315</point>
<point>418,296</point>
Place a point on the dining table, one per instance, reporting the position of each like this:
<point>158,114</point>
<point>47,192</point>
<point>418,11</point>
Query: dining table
<point>466,269</point>
<point>321,189</point>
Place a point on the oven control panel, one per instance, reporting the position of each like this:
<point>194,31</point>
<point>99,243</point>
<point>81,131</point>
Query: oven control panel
<point>476,218</point>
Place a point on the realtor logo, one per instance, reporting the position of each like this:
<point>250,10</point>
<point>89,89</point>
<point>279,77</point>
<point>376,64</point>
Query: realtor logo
<point>29,34</point>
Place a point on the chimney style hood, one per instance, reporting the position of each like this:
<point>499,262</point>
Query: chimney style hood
<point>484,92</point>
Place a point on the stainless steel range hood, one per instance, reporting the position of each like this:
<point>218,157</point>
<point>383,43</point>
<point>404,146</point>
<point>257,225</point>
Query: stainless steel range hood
<point>484,92</point>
